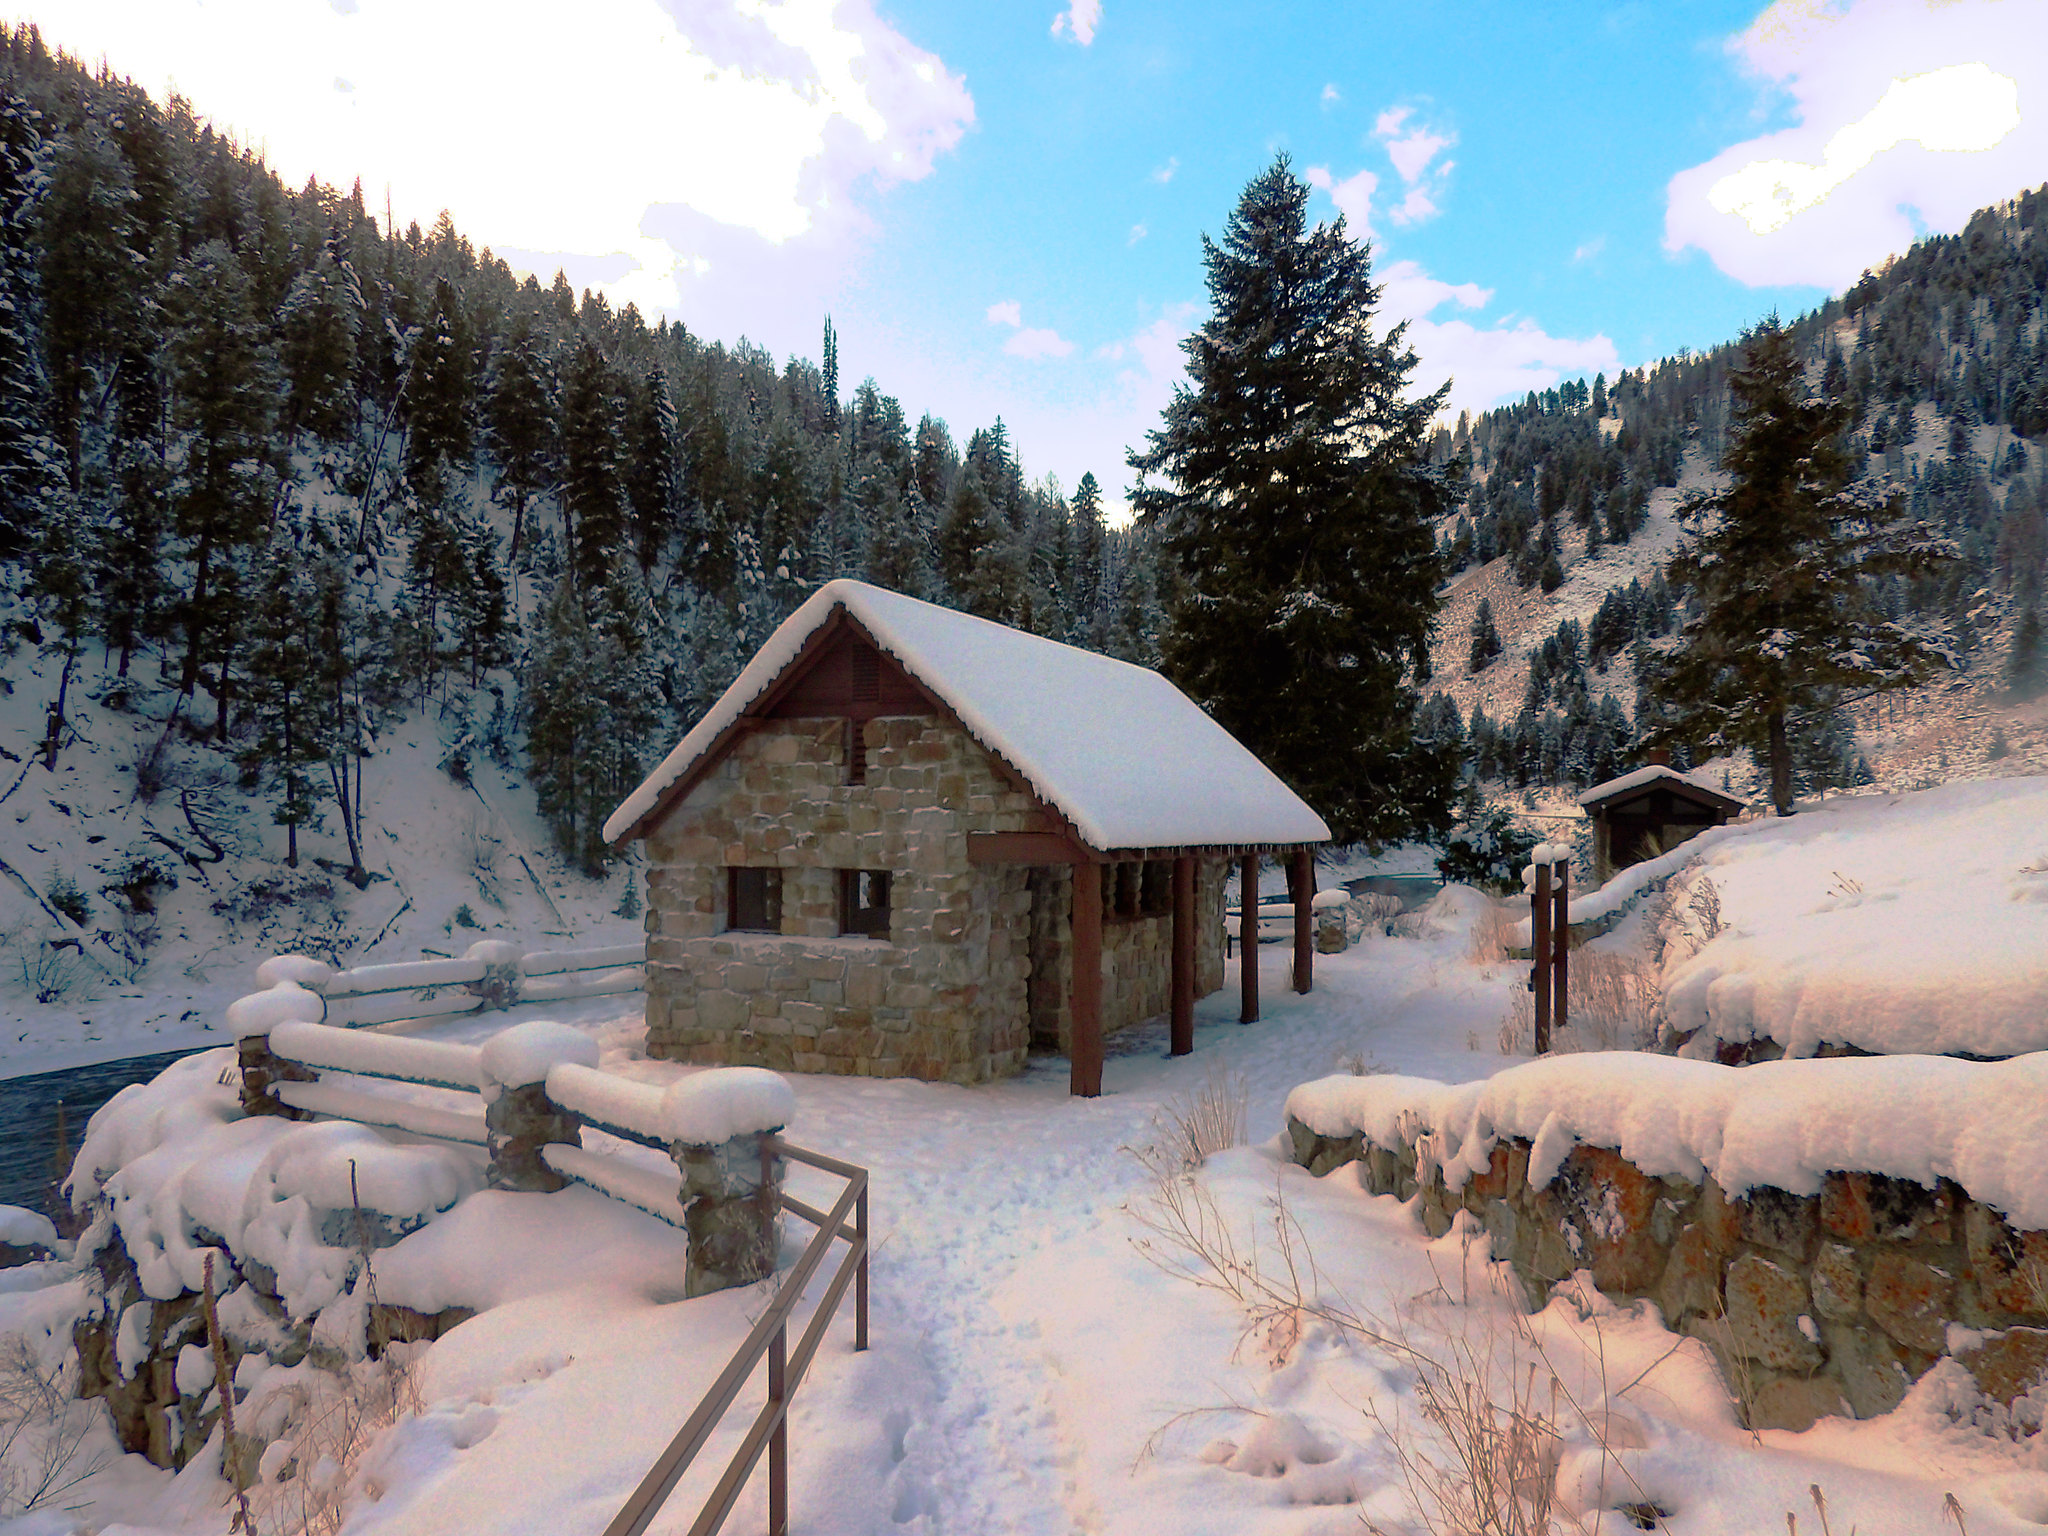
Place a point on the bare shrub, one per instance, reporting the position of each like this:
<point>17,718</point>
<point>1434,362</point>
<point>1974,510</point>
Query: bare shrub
<point>49,966</point>
<point>1706,910</point>
<point>42,1431</point>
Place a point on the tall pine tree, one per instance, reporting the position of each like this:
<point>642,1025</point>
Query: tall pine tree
<point>1783,564</point>
<point>1290,485</point>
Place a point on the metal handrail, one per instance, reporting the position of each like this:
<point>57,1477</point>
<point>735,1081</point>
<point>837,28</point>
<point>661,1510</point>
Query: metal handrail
<point>769,1338</point>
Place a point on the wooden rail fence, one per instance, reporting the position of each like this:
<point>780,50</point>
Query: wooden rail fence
<point>769,1340</point>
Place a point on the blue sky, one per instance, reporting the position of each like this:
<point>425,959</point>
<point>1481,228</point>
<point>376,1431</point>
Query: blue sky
<point>1002,205</point>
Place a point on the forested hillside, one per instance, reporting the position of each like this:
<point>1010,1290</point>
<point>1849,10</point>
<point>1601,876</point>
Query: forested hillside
<point>1561,546</point>
<point>278,477</point>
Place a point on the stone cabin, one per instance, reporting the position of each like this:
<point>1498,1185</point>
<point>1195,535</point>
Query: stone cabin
<point>1651,811</point>
<point>908,842</point>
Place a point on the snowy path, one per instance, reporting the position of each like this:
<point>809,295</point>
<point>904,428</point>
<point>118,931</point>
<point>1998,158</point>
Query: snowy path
<point>972,1184</point>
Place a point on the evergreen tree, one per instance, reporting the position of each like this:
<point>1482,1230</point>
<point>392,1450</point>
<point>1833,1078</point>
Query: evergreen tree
<point>974,554</point>
<point>1296,514</point>
<point>1782,565</point>
<point>221,376</point>
<point>593,491</point>
<point>1486,644</point>
<point>318,322</point>
<point>90,275</point>
<point>651,473</point>
<point>523,410</point>
<point>591,716</point>
<point>28,466</point>
<point>284,688</point>
<point>437,399</point>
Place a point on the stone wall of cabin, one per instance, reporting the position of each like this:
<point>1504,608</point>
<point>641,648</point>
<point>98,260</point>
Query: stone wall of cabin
<point>943,998</point>
<point>1137,956</point>
<point>1814,1304</point>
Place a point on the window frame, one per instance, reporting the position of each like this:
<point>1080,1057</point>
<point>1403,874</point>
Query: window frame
<point>769,897</point>
<point>866,922</point>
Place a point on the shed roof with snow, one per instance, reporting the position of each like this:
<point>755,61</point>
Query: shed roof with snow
<point>1660,776</point>
<point>1124,757</point>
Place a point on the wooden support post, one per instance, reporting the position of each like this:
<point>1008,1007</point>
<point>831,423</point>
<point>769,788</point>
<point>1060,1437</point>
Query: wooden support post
<point>778,1438</point>
<point>1248,939</point>
<point>1084,1050</point>
<point>1303,880</point>
<point>1560,938</point>
<point>1539,956</point>
<point>1183,1023</point>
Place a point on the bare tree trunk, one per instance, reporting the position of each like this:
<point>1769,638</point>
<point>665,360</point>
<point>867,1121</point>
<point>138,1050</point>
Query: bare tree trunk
<point>1781,763</point>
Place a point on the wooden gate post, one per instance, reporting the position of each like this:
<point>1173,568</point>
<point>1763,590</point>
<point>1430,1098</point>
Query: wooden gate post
<point>1084,1045</point>
<point>1248,939</point>
<point>1183,1023</point>
<point>1560,938</point>
<point>1303,880</point>
<point>1539,955</point>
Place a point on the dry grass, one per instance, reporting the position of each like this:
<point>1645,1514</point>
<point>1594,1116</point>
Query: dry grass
<point>1615,1003</point>
<point>1496,1414</point>
<point>317,1429</point>
<point>1490,933</point>
<point>1187,1130</point>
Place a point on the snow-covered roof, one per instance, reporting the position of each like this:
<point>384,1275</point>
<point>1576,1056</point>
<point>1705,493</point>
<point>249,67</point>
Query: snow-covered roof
<point>1649,775</point>
<point>1127,758</point>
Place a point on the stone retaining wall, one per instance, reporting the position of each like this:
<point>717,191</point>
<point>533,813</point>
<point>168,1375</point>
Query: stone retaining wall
<point>151,1415</point>
<point>1815,1305</point>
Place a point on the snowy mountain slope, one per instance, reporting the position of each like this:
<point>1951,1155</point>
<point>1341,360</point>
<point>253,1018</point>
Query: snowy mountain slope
<point>448,863</point>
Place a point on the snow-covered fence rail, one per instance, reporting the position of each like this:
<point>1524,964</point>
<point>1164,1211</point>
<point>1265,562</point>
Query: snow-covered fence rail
<point>526,1095</point>
<point>491,974</point>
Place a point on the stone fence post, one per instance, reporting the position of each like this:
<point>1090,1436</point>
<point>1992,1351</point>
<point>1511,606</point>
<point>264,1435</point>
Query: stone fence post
<point>252,1018</point>
<point>519,1116</point>
<point>731,1194</point>
<point>500,986</point>
<point>722,1126</point>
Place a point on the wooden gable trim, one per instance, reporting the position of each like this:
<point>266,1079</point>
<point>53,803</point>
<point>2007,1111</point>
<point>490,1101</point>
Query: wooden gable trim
<point>839,622</point>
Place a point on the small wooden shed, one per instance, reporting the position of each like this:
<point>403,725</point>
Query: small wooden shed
<point>1651,811</point>
<point>911,842</point>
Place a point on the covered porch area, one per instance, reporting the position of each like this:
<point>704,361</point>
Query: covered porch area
<point>1101,882</point>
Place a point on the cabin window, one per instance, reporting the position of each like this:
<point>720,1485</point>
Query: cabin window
<point>1120,889</point>
<point>753,900</point>
<point>1155,889</point>
<point>864,902</point>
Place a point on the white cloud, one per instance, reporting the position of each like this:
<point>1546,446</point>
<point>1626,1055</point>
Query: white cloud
<point>1025,341</point>
<point>1331,95</point>
<point>1900,105</point>
<point>1031,342</point>
<point>1079,21</point>
<point>548,138</point>
<point>1413,149</point>
<point>1353,197</point>
<point>1138,232</point>
<point>1417,206</point>
<point>1590,249</point>
<point>1165,172</point>
<point>1408,292</point>
<point>1486,364</point>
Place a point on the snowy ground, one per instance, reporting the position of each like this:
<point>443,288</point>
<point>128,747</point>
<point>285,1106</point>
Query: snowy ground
<point>1033,1372</point>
